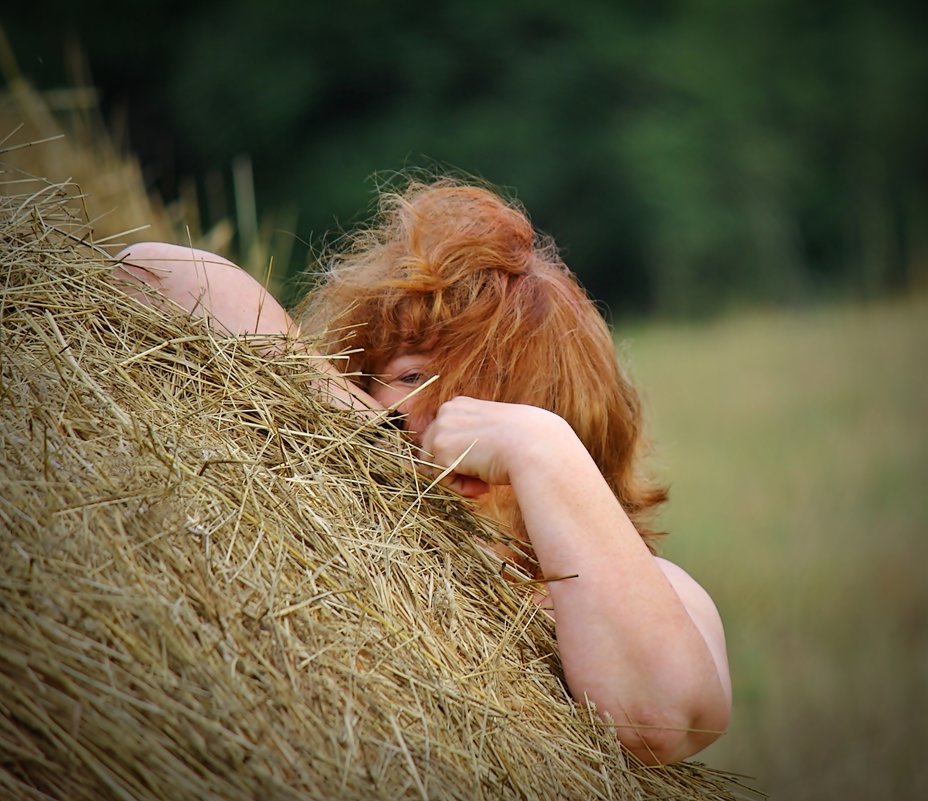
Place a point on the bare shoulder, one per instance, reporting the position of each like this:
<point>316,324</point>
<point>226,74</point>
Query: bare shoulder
<point>206,285</point>
<point>704,613</point>
<point>686,586</point>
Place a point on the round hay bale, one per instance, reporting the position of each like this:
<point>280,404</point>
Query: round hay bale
<point>214,586</point>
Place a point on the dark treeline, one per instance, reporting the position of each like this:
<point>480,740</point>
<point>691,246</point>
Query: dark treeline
<point>685,155</point>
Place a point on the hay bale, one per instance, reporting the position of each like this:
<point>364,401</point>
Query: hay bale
<point>213,586</point>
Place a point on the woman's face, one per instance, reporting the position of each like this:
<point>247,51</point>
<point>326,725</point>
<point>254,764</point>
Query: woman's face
<point>392,383</point>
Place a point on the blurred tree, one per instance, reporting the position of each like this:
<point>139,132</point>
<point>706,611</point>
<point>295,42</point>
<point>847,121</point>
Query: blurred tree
<point>506,91</point>
<point>686,154</point>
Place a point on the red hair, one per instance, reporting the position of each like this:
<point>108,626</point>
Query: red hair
<point>456,271</point>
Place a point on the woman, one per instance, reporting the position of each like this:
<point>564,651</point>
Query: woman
<point>531,409</point>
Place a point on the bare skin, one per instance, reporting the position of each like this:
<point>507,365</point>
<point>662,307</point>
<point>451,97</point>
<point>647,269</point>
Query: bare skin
<point>638,636</point>
<point>232,301</point>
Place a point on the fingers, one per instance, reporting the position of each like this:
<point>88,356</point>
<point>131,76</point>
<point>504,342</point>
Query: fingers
<point>468,486</point>
<point>438,473</point>
<point>442,468</point>
<point>461,439</point>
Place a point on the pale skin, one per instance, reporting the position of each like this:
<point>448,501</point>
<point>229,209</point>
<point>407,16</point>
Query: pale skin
<point>638,637</point>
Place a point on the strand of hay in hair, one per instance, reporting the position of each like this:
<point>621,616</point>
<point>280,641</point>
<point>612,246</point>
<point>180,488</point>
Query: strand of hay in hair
<point>213,587</point>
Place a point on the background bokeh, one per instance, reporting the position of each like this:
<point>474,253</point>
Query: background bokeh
<point>686,154</point>
<point>744,187</point>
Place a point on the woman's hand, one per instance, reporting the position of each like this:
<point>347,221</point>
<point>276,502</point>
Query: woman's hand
<point>487,437</point>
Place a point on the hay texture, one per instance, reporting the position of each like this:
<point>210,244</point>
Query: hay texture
<point>214,587</point>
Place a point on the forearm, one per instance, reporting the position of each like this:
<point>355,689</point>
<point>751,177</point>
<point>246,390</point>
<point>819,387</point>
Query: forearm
<point>626,639</point>
<point>640,640</point>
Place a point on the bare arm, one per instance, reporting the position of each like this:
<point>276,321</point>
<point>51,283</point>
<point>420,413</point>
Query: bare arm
<point>206,285</point>
<point>637,636</point>
<point>231,300</point>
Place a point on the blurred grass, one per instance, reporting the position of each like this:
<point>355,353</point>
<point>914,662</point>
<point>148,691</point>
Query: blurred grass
<point>796,446</point>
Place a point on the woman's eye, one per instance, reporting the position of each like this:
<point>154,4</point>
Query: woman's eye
<point>412,379</point>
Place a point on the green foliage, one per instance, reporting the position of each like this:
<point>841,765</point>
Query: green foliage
<point>685,155</point>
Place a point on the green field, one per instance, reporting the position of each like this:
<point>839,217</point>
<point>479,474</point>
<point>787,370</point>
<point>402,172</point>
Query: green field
<point>796,446</point>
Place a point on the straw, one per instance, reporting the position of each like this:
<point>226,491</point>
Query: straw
<point>215,586</point>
